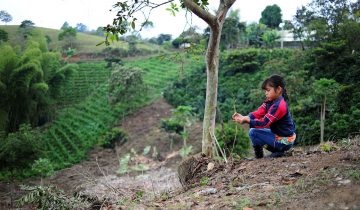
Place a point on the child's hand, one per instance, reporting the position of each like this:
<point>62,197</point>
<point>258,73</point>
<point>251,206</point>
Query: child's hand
<point>237,117</point>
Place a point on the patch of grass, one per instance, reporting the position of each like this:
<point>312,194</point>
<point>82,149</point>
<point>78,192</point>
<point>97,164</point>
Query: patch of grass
<point>84,43</point>
<point>204,181</point>
<point>354,174</point>
<point>164,196</point>
<point>244,202</point>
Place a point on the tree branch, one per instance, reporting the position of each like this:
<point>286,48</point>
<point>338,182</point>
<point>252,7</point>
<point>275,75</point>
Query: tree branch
<point>200,12</point>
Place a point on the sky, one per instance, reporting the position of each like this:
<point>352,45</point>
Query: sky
<point>95,13</point>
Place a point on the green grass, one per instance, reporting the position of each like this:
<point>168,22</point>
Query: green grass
<point>85,43</point>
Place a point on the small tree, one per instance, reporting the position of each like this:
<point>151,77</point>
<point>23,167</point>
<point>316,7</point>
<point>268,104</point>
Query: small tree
<point>69,37</point>
<point>26,28</point>
<point>271,16</point>
<point>125,84</point>
<point>163,38</point>
<point>325,90</point>
<point>181,120</point>
<point>80,27</point>
<point>65,25</point>
<point>27,24</point>
<point>5,16</point>
<point>3,36</point>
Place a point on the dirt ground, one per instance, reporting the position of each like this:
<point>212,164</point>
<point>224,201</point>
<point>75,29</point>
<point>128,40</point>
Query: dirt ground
<point>308,179</point>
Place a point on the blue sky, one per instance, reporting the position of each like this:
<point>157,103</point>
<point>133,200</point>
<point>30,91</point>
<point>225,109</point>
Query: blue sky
<point>94,13</point>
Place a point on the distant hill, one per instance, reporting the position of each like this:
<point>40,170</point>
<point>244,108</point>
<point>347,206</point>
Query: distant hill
<point>85,43</point>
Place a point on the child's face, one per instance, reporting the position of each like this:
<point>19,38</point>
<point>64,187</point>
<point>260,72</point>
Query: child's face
<point>272,93</point>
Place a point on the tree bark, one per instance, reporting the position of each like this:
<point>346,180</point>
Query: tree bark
<point>212,66</point>
<point>322,120</point>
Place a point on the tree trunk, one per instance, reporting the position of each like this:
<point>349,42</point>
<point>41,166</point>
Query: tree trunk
<point>322,120</point>
<point>212,65</point>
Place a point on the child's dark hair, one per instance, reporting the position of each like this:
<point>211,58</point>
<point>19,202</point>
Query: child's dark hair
<point>275,81</point>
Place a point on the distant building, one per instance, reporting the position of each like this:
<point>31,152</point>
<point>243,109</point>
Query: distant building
<point>287,40</point>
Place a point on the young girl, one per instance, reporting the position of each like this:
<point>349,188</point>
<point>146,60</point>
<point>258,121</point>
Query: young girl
<point>271,126</point>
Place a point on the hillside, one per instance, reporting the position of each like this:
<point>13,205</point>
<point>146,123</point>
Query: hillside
<point>85,43</point>
<point>308,179</point>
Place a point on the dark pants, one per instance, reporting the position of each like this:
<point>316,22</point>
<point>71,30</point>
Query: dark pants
<point>264,137</point>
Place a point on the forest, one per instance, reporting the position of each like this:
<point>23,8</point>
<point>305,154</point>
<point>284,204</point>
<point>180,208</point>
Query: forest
<point>68,97</point>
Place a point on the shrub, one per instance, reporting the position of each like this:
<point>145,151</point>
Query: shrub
<point>43,167</point>
<point>113,137</point>
<point>125,84</point>
<point>20,149</point>
<point>171,125</point>
<point>233,138</point>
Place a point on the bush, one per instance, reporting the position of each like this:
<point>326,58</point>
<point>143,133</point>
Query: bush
<point>20,149</point>
<point>125,84</point>
<point>232,132</point>
<point>172,125</point>
<point>113,137</point>
<point>43,167</point>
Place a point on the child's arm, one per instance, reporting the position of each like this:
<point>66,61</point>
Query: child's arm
<point>259,113</point>
<point>276,112</point>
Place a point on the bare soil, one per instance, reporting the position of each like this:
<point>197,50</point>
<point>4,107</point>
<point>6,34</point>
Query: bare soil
<point>307,179</point>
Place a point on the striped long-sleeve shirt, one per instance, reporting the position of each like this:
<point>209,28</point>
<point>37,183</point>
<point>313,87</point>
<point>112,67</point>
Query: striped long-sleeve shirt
<point>274,114</point>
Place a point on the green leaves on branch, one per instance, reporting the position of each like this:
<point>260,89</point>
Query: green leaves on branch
<point>173,9</point>
<point>125,84</point>
<point>125,19</point>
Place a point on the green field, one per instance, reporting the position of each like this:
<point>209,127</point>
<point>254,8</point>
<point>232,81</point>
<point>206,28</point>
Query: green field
<point>85,43</point>
<point>87,115</point>
<point>77,128</point>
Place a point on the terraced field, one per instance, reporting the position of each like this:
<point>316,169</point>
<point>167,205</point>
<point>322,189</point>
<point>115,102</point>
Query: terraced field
<point>84,82</point>
<point>79,127</point>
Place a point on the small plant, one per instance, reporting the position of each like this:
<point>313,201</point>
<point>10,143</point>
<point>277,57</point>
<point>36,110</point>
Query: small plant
<point>233,139</point>
<point>204,181</point>
<point>123,164</point>
<point>185,151</point>
<point>355,174</point>
<point>345,143</point>
<point>146,150</point>
<point>182,118</point>
<point>116,135</point>
<point>42,167</point>
<point>245,202</point>
<point>138,195</point>
<point>50,198</point>
<point>328,147</point>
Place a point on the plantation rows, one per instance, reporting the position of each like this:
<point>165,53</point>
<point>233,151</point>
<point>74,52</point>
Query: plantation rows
<point>79,127</point>
<point>160,72</point>
<point>83,82</point>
